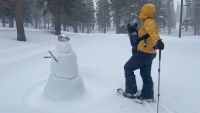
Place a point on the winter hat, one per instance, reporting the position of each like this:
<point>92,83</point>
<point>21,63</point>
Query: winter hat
<point>147,11</point>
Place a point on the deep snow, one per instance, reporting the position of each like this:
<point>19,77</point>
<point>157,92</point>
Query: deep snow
<point>24,73</point>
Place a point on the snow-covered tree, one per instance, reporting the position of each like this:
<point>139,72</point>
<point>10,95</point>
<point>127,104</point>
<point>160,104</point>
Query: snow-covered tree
<point>103,15</point>
<point>70,13</point>
<point>196,16</point>
<point>170,12</point>
<point>117,6</point>
<point>7,12</point>
<point>192,16</point>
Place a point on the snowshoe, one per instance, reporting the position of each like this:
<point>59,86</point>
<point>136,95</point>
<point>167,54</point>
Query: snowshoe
<point>123,93</point>
<point>137,98</point>
<point>141,100</point>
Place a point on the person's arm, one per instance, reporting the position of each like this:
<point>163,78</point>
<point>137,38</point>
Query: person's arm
<point>151,28</point>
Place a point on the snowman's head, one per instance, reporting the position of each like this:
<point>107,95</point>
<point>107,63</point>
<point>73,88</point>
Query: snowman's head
<point>63,43</point>
<point>63,38</point>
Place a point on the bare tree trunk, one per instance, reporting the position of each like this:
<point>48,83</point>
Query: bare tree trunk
<point>88,29</point>
<point>198,27</point>
<point>36,23</point>
<point>11,22</point>
<point>48,21</point>
<point>57,24</point>
<point>19,20</point>
<point>64,27</point>
<point>45,21</point>
<point>57,17</point>
<point>67,29</point>
<point>117,24</point>
<point>83,29</point>
<point>75,28</point>
<point>195,29</point>
<point>45,25</point>
<point>99,29</point>
<point>26,24</point>
<point>169,24</point>
<point>180,22</point>
<point>196,22</point>
<point>4,21</point>
<point>104,29</point>
<point>40,23</point>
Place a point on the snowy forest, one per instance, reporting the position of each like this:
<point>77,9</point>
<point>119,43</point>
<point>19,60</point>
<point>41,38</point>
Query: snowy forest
<point>99,56</point>
<point>89,15</point>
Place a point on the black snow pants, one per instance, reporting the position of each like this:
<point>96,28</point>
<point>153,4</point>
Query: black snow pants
<point>142,61</point>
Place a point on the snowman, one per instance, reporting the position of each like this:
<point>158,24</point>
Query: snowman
<point>64,82</point>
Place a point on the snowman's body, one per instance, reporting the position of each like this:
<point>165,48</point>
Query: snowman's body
<point>64,82</point>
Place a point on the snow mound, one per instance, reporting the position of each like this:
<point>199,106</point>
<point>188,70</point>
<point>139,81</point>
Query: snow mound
<point>60,89</point>
<point>34,99</point>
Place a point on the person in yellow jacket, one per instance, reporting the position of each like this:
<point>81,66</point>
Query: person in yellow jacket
<point>145,41</point>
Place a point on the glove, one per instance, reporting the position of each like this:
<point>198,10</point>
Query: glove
<point>159,45</point>
<point>132,27</point>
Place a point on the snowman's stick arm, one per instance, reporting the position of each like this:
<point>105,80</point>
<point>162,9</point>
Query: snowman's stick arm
<point>52,56</point>
<point>47,56</point>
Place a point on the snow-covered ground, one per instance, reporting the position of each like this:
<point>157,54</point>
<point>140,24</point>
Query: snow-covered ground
<point>101,57</point>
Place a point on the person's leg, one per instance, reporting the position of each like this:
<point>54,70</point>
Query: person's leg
<point>145,72</point>
<point>147,89</point>
<point>130,81</point>
<point>135,62</point>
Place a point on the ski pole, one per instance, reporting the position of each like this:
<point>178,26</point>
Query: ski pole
<point>159,81</point>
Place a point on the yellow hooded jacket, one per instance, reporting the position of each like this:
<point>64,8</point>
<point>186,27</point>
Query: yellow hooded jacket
<point>149,26</point>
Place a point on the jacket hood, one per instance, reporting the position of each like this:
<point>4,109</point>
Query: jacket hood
<point>147,11</point>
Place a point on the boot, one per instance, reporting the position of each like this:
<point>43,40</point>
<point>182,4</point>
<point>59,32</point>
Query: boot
<point>131,87</point>
<point>147,94</point>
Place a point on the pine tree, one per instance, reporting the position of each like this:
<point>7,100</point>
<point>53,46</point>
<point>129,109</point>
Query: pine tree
<point>73,13</point>
<point>84,15</point>
<point>90,15</point>
<point>117,9</point>
<point>130,10</point>
<point>55,8</point>
<point>125,11</point>
<point>196,16</point>
<point>36,13</point>
<point>103,15</point>
<point>187,21</point>
<point>170,15</point>
<point>192,16</point>
<point>7,12</point>
<point>76,13</point>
